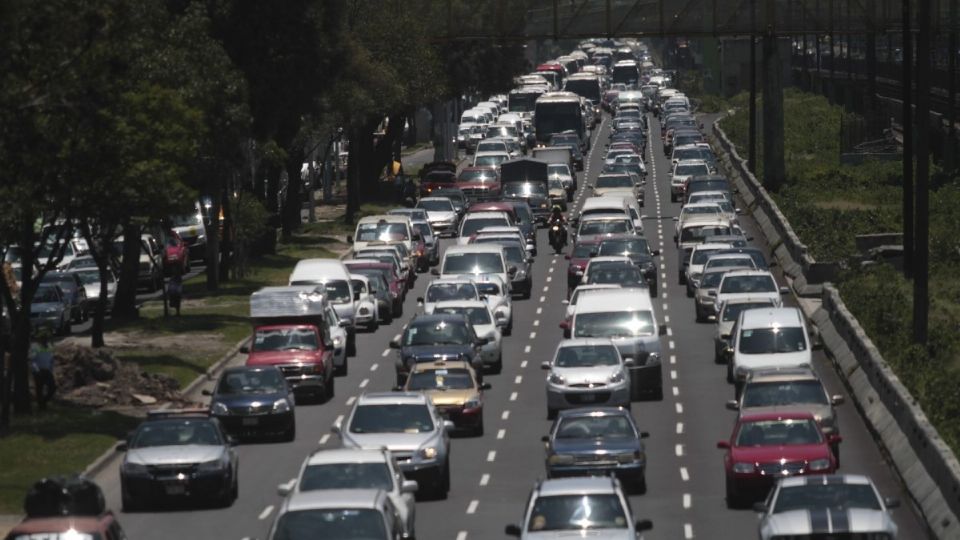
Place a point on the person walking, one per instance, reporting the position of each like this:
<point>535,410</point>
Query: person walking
<point>175,290</point>
<point>41,362</point>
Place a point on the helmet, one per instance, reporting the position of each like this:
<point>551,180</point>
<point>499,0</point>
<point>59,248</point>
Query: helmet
<point>556,209</point>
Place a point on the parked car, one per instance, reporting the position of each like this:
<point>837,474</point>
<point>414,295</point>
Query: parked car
<point>50,309</point>
<point>74,293</point>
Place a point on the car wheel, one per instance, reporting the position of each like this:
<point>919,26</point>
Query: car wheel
<point>330,389</point>
<point>290,435</point>
<point>478,431</point>
<point>681,279</point>
<point>387,316</point>
<point>398,308</point>
<point>700,317</point>
<point>729,371</point>
<point>640,483</point>
<point>689,290</point>
<point>446,477</point>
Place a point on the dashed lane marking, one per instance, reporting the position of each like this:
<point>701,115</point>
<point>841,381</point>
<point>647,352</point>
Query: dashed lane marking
<point>684,473</point>
<point>324,439</point>
<point>501,433</point>
<point>669,331</point>
<point>492,456</point>
<point>385,352</point>
<point>543,299</point>
<point>673,374</point>
<point>265,513</point>
<point>526,349</point>
<point>672,344</point>
<point>679,408</point>
<point>687,502</point>
<point>546,288</point>
<point>513,396</point>
<point>472,507</point>
<point>373,367</point>
<point>364,383</point>
<point>539,310</point>
<point>350,400</point>
<point>505,415</point>
<point>666,305</point>
<point>687,531</point>
<point>679,428</point>
<point>679,450</point>
<point>485,479</point>
<point>549,279</point>
<point>533,335</point>
<point>673,359</point>
<point>523,365</point>
<point>518,379</point>
<point>676,391</point>
<point>462,535</point>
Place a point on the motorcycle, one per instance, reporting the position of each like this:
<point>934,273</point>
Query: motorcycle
<point>558,236</point>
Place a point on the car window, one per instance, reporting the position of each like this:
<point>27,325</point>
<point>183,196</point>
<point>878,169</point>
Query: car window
<point>778,432</point>
<point>440,379</point>
<point>369,232</point>
<point>450,332</point>
<point>473,263</point>
<point>781,339</point>
<point>586,356</point>
<point>285,339</point>
<point>748,284</point>
<point>771,394</point>
<point>472,225</point>
<point>438,292</point>
<point>620,273</point>
<point>176,433</point>
<point>595,427</point>
<point>826,495</point>
<point>732,311</point>
<point>251,382</point>
<point>392,418</point>
<point>577,512</point>
<point>338,523</point>
<point>613,324</point>
<point>346,476</point>
<point>476,315</point>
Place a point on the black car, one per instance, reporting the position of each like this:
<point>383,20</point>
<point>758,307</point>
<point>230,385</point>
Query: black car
<point>252,401</point>
<point>429,338</point>
<point>600,441</point>
<point>620,273</point>
<point>526,222</point>
<point>638,250</point>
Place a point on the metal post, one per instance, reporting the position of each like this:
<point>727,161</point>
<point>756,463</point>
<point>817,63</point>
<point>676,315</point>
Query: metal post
<point>752,134</point>
<point>872,60</point>
<point>774,170</point>
<point>921,302</point>
<point>952,89</point>
<point>907,121</point>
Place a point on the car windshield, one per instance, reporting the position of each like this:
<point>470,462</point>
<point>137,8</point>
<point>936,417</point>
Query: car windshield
<point>603,226</point>
<point>346,476</point>
<point>423,229</point>
<point>45,295</point>
<point>179,432</point>
<point>781,339</point>
<point>491,146</point>
<point>711,280</point>
<point>586,356</point>
<point>440,379</point>
<point>732,311</point>
<point>624,247</point>
<point>436,333</point>
<point>489,289</point>
<point>438,292</point>
<point>472,225</point>
<point>698,233</point>
<point>92,277</point>
<point>259,381</point>
<point>514,253</point>
<point>700,256</point>
<point>780,432</point>
<point>577,512</point>
<point>391,418</point>
<point>524,189</point>
<point>834,495</point>
<point>691,170</point>
<point>476,315</point>
<point>748,284</point>
<point>582,251</point>
<point>613,324</point>
<point>620,273</point>
<point>436,205</point>
<point>473,263</point>
<point>614,181</point>
<point>360,523</point>
<point>477,176</point>
<point>489,161</point>
<point>615,426</point>
<point>555,183</point>
<point>771,394</point>
<point>729,262</point>
<point>285,339</point>
<point>558,169</point>
<point>699,210</point>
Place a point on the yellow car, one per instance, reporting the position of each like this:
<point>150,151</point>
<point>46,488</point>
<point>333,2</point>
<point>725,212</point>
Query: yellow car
<point>454,390</point>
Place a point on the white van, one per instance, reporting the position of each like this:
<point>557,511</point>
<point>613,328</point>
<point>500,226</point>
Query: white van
<point>334,276</point>
<point>475,259</point>
<point>384,228</point>
<point>765,338</point>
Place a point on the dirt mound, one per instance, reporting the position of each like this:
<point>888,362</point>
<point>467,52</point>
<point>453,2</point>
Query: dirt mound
<point>95,378</point>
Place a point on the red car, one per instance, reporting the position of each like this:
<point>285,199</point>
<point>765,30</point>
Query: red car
<point>579,257</point>
<point>176,253</point>
<point>437,175</point>
<point>479,183</point>
<point>398,287</point>
<point>765,447</point>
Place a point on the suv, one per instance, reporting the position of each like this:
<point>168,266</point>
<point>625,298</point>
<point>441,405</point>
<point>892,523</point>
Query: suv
<point>427,338</point>
<point>475,260</point>
<point>340,513</point>
<point>683,171</point>
<point>409,426</point>
<point>767,338</point>
<point>560,507</point>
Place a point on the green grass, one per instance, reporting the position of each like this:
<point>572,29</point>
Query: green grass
<point>41,446</point>
<point>340,227</point>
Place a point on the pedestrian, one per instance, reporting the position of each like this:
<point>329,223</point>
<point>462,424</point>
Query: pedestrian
<point>41,362</point>
<point>175,290</point>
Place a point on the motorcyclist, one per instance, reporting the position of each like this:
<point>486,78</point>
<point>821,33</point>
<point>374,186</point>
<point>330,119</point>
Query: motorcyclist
<point>557,218</point>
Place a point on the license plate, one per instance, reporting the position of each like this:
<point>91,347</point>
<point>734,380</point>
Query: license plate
<point>587,398</point>
<point>175,489</point>
<point>250,421</point>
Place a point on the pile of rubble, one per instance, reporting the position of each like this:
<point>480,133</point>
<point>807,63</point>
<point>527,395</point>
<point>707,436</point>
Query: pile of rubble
<point>96,378</point>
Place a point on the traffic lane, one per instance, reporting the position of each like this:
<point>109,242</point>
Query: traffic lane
<point>705,423</point>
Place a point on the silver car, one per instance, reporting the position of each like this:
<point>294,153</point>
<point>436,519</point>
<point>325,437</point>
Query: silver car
<point>834,506</point>
<point>581,507</point>
<point>587,372</point>
<point>409,426</point>
<point>337,469</point>
<point>341,513</point>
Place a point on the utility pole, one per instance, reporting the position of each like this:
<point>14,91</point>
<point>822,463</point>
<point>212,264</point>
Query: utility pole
<point>774,168</point>
<point>907,87</point>
<point>752,134</point>
<point>921,301</point>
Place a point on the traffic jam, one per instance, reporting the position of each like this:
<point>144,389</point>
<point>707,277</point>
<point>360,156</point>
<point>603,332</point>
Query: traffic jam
<point>557,211</point>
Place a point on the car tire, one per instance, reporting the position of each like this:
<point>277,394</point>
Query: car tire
<point>699,314</point>
<point>640,484</point>
<point>478,431</point>
<point>330,390</point>
<point>290,435</point>
<point>734,500</point>
<point>388,316</point>
<point>398,308</point>
<point>653,289</point>
<point>729,371</point>
<point>689,290</point>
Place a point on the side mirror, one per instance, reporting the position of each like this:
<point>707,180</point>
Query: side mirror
<point>643,525</point>
<point>629,362</point>
<point>349,239</point>
<point>409,486</point>
<point>733,405</point>
<point>565,302</point>
<point>335,428</point>
<point>676,218</point>
<point>245,349</point>
<point>723,445</point>
<point>655,253</point>
<point>448,425</point>
<point>480,342</point>
<point>837,399</point>
<point>434,272</point>
<point>345,323</point>
<point>545,365</point>
<point>834,439</point>
<point>394,344</point>
<point>485,386</point>
<point>784,290</point>
<point>512,271</point>
<point>545,438</point>
<point>663,330</point>
<point>760,508</point>
<point>564,324</point>
<point>644,435</point>
<point>891,502</point>
<point>567,257</point>
<point>285,489</point>
<point>512,530</point>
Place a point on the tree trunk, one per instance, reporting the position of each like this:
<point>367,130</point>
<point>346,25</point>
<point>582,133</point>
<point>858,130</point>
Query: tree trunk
<point>227,244</point>
<point>213,243</point>
<point>353,172</point>
<point>290,220</point>
<point>125,303</point>
<point>20,362</point>
<point>380,154</point>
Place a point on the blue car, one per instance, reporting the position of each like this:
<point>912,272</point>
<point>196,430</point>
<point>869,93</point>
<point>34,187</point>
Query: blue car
<point>428,338</point>
<point>252,401</point>
<point>597,442</point>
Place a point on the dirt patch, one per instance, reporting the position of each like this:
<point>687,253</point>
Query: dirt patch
<point>197,343</point>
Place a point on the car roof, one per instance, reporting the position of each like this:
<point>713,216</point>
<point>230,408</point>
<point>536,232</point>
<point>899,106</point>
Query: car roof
<point>592,411</point>
<point>389,218</point>
<point>346,455</point>
<point>431,318</point>
<point>577,485</point>
<point>825,479</point>
<point>783,374</point>
<point>460,304</point>
<point>392,398</point>
<point>622,299</point>
<point>583,342</point>
<point>485,214</point>
<point>770,317</point>
<point>474,248</point>
<point>334,498</point>
<point>612,258</point>
<point>710,245</point>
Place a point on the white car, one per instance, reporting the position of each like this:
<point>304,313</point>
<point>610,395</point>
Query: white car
<point>485,325</point>
<point>496,293</point>
<point>587,372</point>
<point>490,159</point>
<point>683,170</point>
<point>338,334</point>
<point>767,338</point>
<point>473,222</point>
<point>579,292</point>
<point>492,146</point>
<point>447,289</point>
<point>441,215</point>
<point>692,268</point>
<point>752,283</point>
<point>365,309</point>
<point>692,210</point>
<point>715,260</point>
<point>476,260</point>
<point>357,468</point>
<point>727,315</point>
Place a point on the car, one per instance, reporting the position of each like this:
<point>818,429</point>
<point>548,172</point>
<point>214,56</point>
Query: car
<point>396,285</point>
<point>754,283</point>
<point>690,269</point>
<point>521,283</point>
<point>490,159</point>
<point>719,259</point>
<point>593,507</point>
<point>79,527</point>
<point>705,298</point>
<point>618,270</point>
<point>791,388</point>
<point>382,228</point>
<point>767,338</point>
<point>90,279</point>
<point>447,289</point>
<point>619,182</point>
<point>178,454</point>
<point>562,172</point>
<point>339,513</point>
<point>486,326</point>
<point>711,209</point>
<point>441,215</point>
<point>410,427</point>
<point>74,293</point>
<point>453,388</point>
<point>333,275</point>
<point>72,248</point>
<point>708,183</point>
<point>427,338</point>
<point>702,229</point>
<point>496,293</point>
<point>557,193</point>
<point>579,292</point>
<point>683,170</point>
<point>586,372</point>
<point>386,253</point>
<point>613,203</point>
<point>456,196</point>
<point>727,315</point>
<point>378,302</point>
<point>50,309</point>
<point>765,447</point>
<point>835,505</point>
<point>514,233</point>
<point>637,249</point>
<point>474,221</point>
<point>578,258</point>
<point>600,225</point>
<point>597,441</point>
<point>335,469</point>
<point>479,183</point>
<point>626,317</point>
<point>757,254</point>
<point>253,401</point>
<point>476,260</point>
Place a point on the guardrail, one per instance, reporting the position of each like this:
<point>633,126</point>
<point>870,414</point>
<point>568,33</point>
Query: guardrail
<point>927,466</point>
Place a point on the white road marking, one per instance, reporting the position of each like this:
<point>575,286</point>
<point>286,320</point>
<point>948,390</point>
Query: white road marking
<point>324,439</point>
<point>666,318</point>
<point>533,335</point>
<point>663,266</point>
<point>526,349</point>
<point>546,288</point>
<point>543,299</point>
<point>679,428</point>
<point>501,433</point>
<point>551,267</point>
<point>505,415</point>
<point>373,367</point>
<point>687,502</point>
<point>364,383</point>
<point>539,310</point>
<point>518,379</point>
<point>673,359</point>
<point>549,279</point>
<point>350,400</point>
<point>664,294</point>
<point>339,420</point>
<point>672,344</point>
<point>673,374</point>
<point>679,408</point>
<point>523,365</point>
<point>472,507</point>
<point>492,455</point>
<point>462,535</point>
<point>265,513</point>
<point>666,305</point>
<point>513,396</point>
<point>679,450</point>
<point>664,275</point>
<point>385,352</point>
<point>669,331</point>
<point>536,322</point>
<point>485,479</point>
<point>289,484</point>
<point>687,531</point>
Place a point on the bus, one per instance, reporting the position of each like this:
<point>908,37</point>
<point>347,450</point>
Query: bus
<point>523,100</point>
<point>586,85</point>
<point>557,112</point>
<point>626,72</point>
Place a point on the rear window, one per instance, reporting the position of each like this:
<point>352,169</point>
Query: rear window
<point>386,232</point>
<point>473,263</point>
<point>471,226</point>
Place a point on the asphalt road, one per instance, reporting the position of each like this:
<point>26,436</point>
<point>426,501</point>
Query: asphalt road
<point>492,475</point>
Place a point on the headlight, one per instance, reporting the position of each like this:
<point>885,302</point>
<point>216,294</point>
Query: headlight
<point>337,340</point>
<point>630,458</point>
<point>543,205</point>
<point>695,278</point>
<point>556,379</point>
<point>201,238</point>
<point>557,459</point>
<point>281,406</point>
<point>743,468</point>
<point>215,465</point>
<point>134,468</point>
<point>820,464</point>
<point>429,452</point>
<point>218,408</point>
<point>617,377</point>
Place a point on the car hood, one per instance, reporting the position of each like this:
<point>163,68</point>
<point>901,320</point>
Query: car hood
<point>806,521</point>
<point>247,400</point>
<point>403,442</point>
<point>270,358</point>
<point>590,446</point>
<point>600,534</point>
<point>431,352</point>
<point>479,185</point>
<point>585,375</point>
<point>772,454</point>
<point>441,215</point>
<point>819,411</point>
<point>174,455</point>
